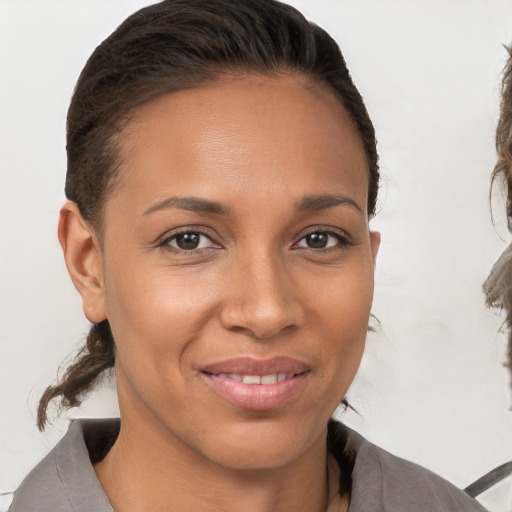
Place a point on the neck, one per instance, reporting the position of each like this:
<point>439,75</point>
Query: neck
<point>148,469</point>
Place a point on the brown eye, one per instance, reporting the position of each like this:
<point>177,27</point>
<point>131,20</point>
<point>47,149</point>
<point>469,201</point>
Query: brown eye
<point>320,240</point>
<point>190,241</point>
<point>317,240</point>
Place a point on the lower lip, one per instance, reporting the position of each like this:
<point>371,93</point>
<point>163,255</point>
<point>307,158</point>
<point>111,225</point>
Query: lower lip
<point>256,397</point>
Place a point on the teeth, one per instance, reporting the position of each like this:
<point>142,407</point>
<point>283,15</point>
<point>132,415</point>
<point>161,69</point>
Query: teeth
<point>256,379</point>
<point>251,379</point>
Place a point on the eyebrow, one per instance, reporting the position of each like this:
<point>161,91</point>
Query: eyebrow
<point>325,201</point>
<point>306,204</point>
<point>194,204</point>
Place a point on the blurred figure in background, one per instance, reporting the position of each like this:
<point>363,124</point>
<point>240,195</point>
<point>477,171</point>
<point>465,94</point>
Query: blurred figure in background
<point>498,285</point>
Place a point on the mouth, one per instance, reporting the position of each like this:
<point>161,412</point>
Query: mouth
<point>255,384</point>
<point>251,380</point>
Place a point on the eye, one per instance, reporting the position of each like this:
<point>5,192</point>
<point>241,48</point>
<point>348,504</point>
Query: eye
<point>321,240</point>
<point>189,241</point>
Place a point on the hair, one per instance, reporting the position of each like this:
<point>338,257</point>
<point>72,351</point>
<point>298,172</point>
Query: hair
<point>498,285</point>
<point>170,46</point>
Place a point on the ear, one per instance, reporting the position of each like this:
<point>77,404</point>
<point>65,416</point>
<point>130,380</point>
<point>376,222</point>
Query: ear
<point>83,258</point>
<point>374,244</point>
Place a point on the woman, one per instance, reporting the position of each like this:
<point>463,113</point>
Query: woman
<point>222,170</point>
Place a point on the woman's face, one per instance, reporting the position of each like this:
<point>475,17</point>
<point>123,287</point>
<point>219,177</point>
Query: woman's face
<point>237,268</point>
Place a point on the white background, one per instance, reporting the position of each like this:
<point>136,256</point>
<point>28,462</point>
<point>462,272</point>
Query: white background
<point>431,387</point>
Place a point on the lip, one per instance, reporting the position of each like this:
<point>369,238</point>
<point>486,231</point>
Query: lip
<point>248,365</point>
<point>256,397</point>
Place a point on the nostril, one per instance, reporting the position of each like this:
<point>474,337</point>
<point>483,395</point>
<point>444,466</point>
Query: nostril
<point>258,325</point>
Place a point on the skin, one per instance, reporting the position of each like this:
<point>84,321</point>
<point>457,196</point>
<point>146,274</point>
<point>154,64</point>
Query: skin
<point>258,147</point>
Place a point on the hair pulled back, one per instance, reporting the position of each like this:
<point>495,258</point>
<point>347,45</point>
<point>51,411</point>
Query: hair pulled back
<point>169,46</point>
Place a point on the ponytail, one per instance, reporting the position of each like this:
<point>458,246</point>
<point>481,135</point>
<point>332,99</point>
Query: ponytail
<point>95,357</point>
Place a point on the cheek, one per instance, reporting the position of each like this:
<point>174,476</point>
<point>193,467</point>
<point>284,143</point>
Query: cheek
<point>155,315</point>
<point>156,319</point>
<point>342,309</point>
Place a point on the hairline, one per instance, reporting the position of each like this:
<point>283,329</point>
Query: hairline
<point>316,85</point>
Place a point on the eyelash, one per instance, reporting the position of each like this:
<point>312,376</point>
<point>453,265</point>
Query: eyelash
<point>342,239</point>
<point>165,242</point>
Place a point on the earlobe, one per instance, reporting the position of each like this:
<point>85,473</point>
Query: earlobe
<point>82,254</point>
<point>375,244</point>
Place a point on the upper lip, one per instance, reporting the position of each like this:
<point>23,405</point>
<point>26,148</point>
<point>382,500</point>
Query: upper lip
<point>248,365</point>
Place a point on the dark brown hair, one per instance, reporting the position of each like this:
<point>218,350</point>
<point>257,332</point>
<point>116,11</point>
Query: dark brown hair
<point>503,168</point>
<point>498,286</point>
<point>173,45</point>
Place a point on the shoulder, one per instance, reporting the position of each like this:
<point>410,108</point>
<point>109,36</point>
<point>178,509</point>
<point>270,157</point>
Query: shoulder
<point>383,482</point>
<point>42,489</point>
<point>65,481</point>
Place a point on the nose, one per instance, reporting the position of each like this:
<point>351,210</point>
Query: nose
<point>262,299</point>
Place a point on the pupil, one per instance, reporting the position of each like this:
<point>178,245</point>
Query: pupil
<point>317,240</point>
<point>187,241</point>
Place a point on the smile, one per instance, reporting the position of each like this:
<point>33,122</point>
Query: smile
<point>256,379</point>
<point>253,384</point>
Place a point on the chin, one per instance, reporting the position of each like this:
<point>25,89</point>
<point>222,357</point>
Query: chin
<point>262,444</point>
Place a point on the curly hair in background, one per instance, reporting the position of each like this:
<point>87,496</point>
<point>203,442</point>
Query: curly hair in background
<point>498,285</point>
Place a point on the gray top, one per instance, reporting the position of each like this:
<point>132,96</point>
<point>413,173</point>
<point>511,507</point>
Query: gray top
<point>65,481</point>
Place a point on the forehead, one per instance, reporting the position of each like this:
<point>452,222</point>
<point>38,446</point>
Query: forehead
<point>253,133</point>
